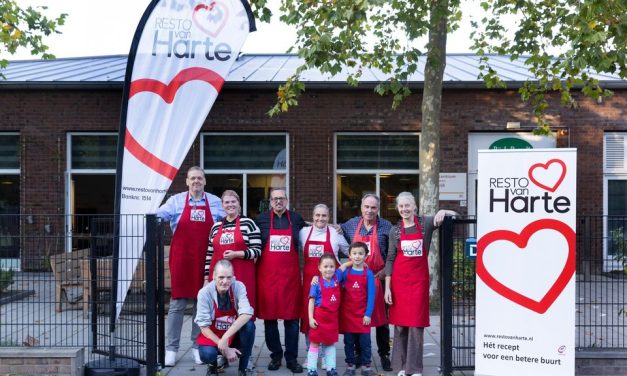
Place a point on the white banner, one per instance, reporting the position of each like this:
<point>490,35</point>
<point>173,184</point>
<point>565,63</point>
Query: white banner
<point>525,305</point>
<point>183,53</point>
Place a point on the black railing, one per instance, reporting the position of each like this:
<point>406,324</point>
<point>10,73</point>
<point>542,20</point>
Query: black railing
<point>61,290</point>
<point>601,284</point>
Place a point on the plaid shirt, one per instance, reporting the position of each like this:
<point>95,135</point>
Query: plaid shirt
<point>383,230</point>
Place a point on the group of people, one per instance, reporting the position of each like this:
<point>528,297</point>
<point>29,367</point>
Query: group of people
<point>252,269</point>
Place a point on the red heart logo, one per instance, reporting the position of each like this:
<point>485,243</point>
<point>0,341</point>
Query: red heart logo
<point>521,240</point>
<point>536,174</point>
<point>202,14</point>
<point>285,240</point>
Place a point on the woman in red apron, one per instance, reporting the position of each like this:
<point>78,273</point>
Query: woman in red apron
<point>317,240</point>
<point>324,306</point>
<point>407,283</point>
<point>238,240</point>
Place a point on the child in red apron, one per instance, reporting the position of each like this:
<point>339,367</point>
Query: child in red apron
<point>356,310</point>
<point>324,308</point>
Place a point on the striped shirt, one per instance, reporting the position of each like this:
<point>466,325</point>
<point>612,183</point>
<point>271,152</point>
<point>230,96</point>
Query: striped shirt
<point>250,233</point>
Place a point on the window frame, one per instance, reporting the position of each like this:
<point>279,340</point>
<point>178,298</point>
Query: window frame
<point>13,171</point>
<point>246,172</point>
<point>377,172</point>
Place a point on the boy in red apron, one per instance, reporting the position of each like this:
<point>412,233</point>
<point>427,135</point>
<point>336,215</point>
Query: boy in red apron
<point>223,313</point>
<point>358,297</point>
<point>324,308</point>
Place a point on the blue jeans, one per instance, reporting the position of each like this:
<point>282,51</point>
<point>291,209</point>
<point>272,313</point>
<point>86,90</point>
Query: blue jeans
<point>273,341</point>
<point>364,343</point>
<point>209,354</point>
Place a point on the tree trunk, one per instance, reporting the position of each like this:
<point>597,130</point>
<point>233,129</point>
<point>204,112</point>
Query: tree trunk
<point>430,132</point>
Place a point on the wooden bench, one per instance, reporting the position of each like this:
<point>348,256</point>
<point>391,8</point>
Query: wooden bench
<point>66,268</point>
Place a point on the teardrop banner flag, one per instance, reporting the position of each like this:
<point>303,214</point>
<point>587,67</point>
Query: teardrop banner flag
<point>526,248</point>
<point>180,57</point>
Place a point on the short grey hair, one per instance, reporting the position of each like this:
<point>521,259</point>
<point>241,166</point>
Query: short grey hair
<point>321,206</point>
<point>222,264</point>
<point>277,189</point>
<point>368,195</point>
<point>406,195</point>
<point>195,168</point>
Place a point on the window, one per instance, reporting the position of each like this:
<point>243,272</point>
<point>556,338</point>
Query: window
<point>615,200</point>
<point>381,163</point>
<point>90,182</point>
<point>248,163</point>
<point>9,200</point>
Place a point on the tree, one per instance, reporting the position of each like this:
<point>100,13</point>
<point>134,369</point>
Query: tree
<point>562,40</point>
<point>25,28</point>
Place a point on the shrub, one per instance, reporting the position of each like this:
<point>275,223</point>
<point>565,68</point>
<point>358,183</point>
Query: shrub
<point>6,279</point>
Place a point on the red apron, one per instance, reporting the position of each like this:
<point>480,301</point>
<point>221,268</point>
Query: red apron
<point>326,315</point>
<point>312,250</point>
<point>188,250</point>
<point>278,276</point>
<point>410,281</point>
<point>375,262</point>
<point>354,302</point>
<point>221,323</point>
<point>244,270</point>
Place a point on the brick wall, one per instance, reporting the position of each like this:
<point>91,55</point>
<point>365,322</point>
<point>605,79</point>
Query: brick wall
<point>42,361</point>
<point>43,118</point>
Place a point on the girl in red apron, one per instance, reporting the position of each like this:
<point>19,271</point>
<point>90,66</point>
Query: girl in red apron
<point>324,307</point>
<point>312,250</point>
<point>407,284</point>
<point>228,242</point>
<point>358,296</point>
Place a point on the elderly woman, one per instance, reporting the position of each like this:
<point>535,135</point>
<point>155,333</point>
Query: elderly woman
<point>315,241</point>
<point>235,239</point>
<point>407,282</point>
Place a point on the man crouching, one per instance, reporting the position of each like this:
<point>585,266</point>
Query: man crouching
<point>224,312</point>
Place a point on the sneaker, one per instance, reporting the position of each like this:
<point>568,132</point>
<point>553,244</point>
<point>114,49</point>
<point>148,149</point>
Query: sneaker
<point>350,371</point>
<point>170,358</point>
<point>416,374</point>
<point>386,364</point>
<point>332,372</point>
<point>367,371</point>
<point>401,373</point>
<point>274,364</point>
<point>221,363</point>
<point>246,372</point>
<point>312,373</point>
<point>293,366</point>
<point>212,369</point>
<point>196,356</point>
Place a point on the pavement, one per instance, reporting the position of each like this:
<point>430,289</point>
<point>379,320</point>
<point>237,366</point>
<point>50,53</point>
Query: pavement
<point>261,356</point>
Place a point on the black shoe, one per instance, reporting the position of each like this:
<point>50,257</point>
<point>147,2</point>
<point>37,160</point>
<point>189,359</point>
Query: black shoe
<point>386,364</point>
<point>274,364</point>
<point>212,369</point>
<point>293,366</point>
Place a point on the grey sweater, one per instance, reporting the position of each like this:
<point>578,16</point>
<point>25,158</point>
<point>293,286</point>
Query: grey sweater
<point>395,233</point>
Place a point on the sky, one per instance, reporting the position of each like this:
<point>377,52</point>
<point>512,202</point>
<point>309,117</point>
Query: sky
<point>96,28</point>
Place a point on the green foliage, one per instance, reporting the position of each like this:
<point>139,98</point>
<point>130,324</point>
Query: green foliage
<point>6,279</point>
<point>619,245</point>
<point>25,28</point>
<point>561,41</point>
<point>463,274</point>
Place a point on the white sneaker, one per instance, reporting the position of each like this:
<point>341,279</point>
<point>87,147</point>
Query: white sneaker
<point>416,374</point>
<point>401,373</point>
<point>170,358</point>
<point>196,356</point>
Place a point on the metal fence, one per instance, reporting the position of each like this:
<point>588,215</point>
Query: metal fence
<point>60,274</point>
<point>601,285</point>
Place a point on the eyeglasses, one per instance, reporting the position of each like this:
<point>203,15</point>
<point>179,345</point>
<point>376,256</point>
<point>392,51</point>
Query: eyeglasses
<point>278,199</point>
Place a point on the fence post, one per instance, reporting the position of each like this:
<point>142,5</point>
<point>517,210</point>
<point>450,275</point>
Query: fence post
<point>446,312</point>
<point>150,252</point>
<point>161,291</point>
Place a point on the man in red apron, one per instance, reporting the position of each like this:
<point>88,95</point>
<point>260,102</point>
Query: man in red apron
<point>224,313</point>
<point>191,215</point>
<point>279,285</point>
<point>373,230</point>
